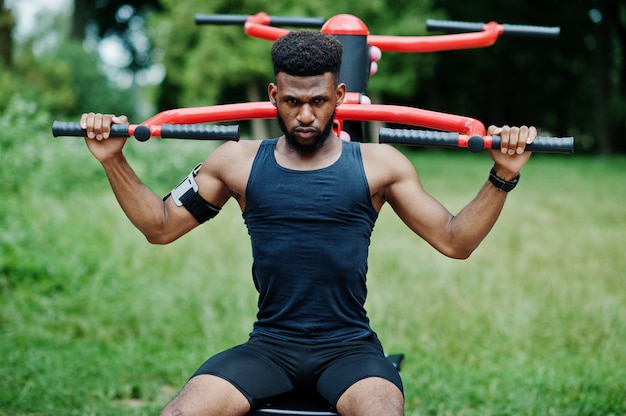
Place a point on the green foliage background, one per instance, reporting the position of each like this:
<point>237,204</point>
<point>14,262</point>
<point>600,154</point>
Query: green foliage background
<point>572,86</point>
<point>94,320</point>
<point>215,63</point>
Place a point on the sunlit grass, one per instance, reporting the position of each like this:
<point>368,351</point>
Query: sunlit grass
<point>526,325</point>
<point>94,320</point>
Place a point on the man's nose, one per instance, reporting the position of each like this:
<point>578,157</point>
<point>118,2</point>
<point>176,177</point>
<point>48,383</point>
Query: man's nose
<point>306,115</point>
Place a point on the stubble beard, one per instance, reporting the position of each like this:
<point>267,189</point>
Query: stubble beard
<point>317,143</point>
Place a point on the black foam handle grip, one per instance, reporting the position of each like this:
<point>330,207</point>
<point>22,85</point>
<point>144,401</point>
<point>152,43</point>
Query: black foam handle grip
<point>450,26</point>
<point>562,145</point>
<point>200,132</point>
<point>507,29</point>
<point>240,19</point>
<point>425,138</point>
<point>296,21</point>
<point>143,133</point>
<point>221,19</point>
<point>528,31</point>
<point>72,128</point>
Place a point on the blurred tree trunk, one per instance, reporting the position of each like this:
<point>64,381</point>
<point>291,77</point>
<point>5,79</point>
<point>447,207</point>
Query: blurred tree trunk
<point>259,126</point>
<point>6,39</point>
<point>610,93</point>
<point>603,91</point>
<point>80,17</point>
<point>616,13</point>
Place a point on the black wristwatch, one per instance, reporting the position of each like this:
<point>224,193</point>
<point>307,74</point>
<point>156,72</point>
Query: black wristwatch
<point>500,183</point>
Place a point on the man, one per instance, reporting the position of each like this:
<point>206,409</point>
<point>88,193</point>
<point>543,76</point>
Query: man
<point>309,201</point>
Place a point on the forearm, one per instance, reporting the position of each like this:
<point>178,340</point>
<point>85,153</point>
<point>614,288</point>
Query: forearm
<point>472,224</point>
<point>143,207</point>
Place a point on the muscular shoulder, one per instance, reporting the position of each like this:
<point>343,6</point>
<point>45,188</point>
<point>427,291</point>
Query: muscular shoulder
<point>385,168</point>
<point>386,162</point>
<point>226,170</point>
<point>234,152</point>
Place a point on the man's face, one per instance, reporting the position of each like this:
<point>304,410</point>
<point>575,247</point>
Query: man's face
<point>306,108</point>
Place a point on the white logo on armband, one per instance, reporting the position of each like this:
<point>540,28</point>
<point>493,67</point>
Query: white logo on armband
<point>185,185</point>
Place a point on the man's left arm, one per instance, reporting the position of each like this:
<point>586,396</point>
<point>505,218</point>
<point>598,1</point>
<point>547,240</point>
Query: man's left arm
<point>457,236</point>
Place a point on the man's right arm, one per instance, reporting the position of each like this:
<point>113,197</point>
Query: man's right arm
<point>160,221</point>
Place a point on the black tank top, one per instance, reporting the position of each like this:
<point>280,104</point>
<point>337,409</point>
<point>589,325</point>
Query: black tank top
<point>310,233</point>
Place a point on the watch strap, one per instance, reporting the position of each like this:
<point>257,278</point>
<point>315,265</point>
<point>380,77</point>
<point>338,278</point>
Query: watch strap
<point>500,183</point>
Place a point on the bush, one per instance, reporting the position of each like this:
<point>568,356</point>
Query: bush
<point>32,160</point>
<point>65,80</point>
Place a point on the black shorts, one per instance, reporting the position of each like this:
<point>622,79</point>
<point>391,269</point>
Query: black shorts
<point>263,367</point>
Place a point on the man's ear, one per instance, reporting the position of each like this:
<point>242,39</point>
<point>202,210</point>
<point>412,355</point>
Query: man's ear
<point>340,93</point>
<point>272,91</point>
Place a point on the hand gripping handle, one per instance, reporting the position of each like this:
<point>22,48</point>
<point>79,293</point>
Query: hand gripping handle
<point>73,129</point>
<point>428,138</point>
<point>143,133</point>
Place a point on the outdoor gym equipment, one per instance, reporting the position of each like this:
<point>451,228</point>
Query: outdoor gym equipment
<point>444,130</point>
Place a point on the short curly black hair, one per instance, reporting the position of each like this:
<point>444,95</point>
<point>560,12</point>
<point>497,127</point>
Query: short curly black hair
<point>307,53</point>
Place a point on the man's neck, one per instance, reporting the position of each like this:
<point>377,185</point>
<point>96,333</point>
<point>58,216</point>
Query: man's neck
<point>291,158</point>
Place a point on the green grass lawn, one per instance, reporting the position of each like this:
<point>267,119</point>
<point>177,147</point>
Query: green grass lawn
<point>96,321</point>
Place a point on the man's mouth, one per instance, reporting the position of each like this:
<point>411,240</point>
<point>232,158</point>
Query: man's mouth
<point>306,132</point>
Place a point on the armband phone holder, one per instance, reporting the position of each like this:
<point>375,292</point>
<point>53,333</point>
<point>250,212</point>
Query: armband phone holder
<point>187,184</point>
<point>186,194</point>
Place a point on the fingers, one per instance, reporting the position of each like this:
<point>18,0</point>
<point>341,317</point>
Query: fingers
<point>98,126</point>
<point>95,125</point>
<point>119,119</point>
<point>513,140</point>
<point>375,54</point>
<point>373,68</point>
<point>532,134</point>
<point>494,130</point>
<point>83,121</point>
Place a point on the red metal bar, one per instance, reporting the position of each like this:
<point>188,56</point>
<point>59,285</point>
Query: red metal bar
<point>257,26</point>
<point>214,113</point>
<point>411,116</point>
<point>437,43</point>
<point>356,112</point>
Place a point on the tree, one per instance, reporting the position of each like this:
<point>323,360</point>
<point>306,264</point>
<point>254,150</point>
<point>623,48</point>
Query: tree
<point>61,78</point>
<point>122,19</point>
<point>568,86</point>
<point>610,94</point>
<point>575,85</point>
<point>219,64</point>
<point>6,40</point>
